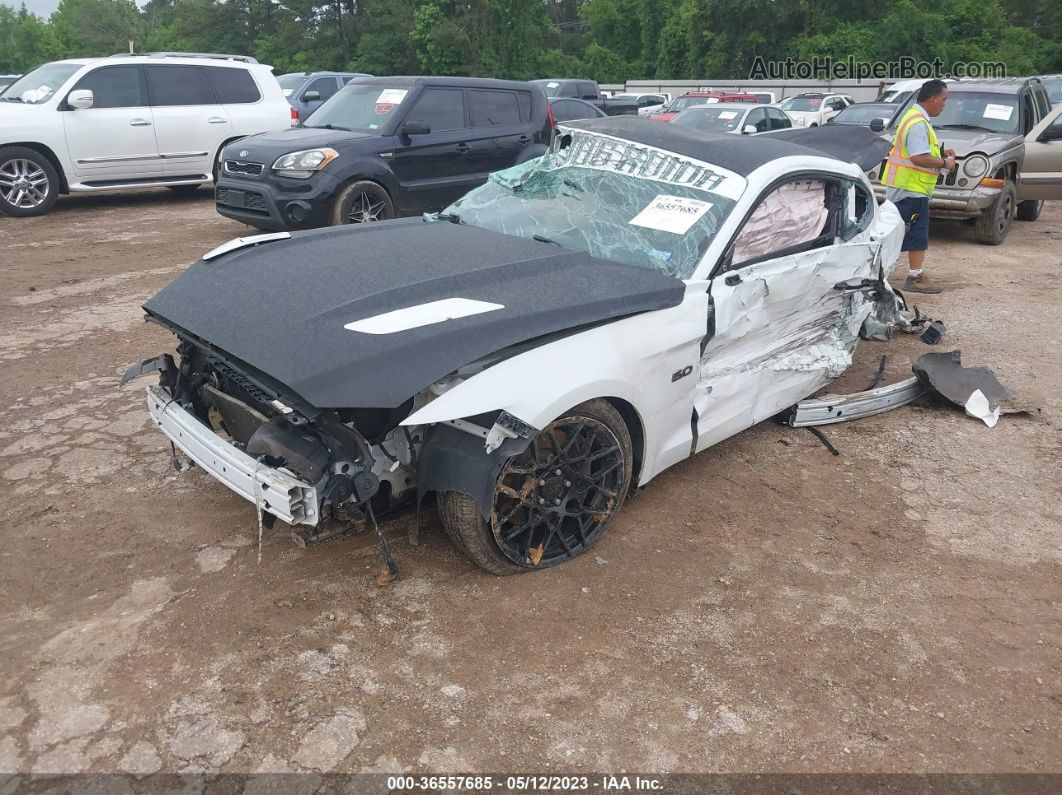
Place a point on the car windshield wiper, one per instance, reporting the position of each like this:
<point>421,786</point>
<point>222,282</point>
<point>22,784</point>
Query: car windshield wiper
<point>964,127</point>
<point>12,99</point>
<point>327,127</point>
<point>544,239</point>
<point>453,218</point>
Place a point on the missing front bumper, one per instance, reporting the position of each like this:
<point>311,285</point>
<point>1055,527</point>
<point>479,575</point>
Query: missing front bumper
<point>279,493</point>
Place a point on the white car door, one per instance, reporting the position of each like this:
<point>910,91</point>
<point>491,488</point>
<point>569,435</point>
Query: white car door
<point>783,328</point>
<point>115,138</point>
<point>190,124</point>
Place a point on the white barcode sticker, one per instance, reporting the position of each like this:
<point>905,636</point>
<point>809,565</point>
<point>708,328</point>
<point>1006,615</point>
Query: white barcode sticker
<point>675,214</point>
<point>1001,112</point>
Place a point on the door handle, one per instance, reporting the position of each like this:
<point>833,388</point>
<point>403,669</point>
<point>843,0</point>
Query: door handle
<point>139,123</point>
<point>217,120</point>
<point>463,148</point>
<point>732,279</point>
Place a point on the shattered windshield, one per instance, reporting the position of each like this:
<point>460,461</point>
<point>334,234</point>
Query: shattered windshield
<point>614,199</point>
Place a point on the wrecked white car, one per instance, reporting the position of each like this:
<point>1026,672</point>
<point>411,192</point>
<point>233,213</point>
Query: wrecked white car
<point>561,334</point>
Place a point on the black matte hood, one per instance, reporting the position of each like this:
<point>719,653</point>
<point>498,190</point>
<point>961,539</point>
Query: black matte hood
<point>281,307</point>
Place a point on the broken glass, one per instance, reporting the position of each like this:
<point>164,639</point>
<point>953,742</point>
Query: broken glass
<point>614,200</point>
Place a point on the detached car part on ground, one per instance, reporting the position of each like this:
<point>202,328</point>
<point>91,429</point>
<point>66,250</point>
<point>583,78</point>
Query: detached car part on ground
<point>570,329</point>
<point>1001,173</point>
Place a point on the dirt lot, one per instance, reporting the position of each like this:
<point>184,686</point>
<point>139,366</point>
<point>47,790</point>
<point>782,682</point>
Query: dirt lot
<point>764,606</point>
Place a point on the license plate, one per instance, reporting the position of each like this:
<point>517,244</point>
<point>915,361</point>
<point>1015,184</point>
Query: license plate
<point>235,198</point>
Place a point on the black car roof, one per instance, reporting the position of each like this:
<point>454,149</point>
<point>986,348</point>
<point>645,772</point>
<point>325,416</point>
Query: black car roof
<point>738,153</point>
<point>455,82</point>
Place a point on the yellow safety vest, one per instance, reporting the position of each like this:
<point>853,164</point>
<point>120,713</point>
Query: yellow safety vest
<point>900,172</point>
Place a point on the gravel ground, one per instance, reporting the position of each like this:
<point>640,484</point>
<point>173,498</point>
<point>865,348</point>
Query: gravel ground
<point>763,606</point>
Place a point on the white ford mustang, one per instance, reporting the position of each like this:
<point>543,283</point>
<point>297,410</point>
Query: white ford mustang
<point>573,327</point>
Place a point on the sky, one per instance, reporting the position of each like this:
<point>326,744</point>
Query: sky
<point>42,8</point>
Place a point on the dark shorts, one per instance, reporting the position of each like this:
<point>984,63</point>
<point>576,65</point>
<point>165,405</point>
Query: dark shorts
<point>915,214</point>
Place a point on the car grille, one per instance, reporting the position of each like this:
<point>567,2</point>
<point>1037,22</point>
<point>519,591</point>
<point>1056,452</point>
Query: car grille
<point>241,167</point>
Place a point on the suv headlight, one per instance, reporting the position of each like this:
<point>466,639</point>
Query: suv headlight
<point>303,164</point>
<point>975,166</point>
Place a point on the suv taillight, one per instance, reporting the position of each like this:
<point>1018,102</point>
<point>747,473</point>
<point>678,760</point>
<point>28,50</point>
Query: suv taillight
<point>294,118</point>
<point>549,115</point>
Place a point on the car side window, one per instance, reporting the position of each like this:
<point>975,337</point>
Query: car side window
<point>325,86</point>
<point>858,210</point>
<point>233,86</point>
<point>493,108</point>
<point>179,85</point>
<point>114,87</point>
<point>1028,114</point>
<point>566,110</point>
<point>587,91</point>
<point>791,217</point>
<point>568,90</point>
<point>779,121</point>
<point>442,108</point>
<point>758,119</point>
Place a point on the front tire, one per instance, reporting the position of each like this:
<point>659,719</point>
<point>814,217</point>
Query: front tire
<point>994,223</point>
<point>362,202</point>
<point>1029,210</point>
<point>551,502</point>
<point>29,183</point>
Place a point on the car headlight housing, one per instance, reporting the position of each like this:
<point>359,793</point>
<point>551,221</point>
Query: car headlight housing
<point>303,164</point>
<point>975,166</point>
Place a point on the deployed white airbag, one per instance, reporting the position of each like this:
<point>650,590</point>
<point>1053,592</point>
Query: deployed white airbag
<point>794,213</point>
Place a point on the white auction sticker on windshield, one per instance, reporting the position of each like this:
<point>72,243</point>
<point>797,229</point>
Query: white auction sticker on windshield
<point>1001,112</point>
<point>392,96</point>
<point>675,214</point>
<point>727,114</point>
<point>552,85</point>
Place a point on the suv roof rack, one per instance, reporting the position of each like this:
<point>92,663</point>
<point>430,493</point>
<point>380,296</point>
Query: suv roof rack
<point>215,55</point>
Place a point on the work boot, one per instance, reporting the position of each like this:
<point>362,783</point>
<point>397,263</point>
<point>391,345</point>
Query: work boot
<point>918,284</point>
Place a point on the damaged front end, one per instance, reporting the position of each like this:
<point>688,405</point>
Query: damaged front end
<point>296,462</point>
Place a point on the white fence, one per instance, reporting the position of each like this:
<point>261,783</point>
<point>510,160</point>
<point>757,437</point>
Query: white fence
<point>860,91</point>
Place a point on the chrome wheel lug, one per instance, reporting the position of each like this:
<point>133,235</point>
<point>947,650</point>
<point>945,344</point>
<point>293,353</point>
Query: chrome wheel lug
<point>567,484</point>
<point>556,501</point>
<point>542,483</point>
<point>541,500</point>
<point>556,472</point>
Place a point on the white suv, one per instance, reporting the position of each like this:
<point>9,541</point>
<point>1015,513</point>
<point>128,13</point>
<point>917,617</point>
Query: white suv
<point>92,124</point>
<point>814,109</point>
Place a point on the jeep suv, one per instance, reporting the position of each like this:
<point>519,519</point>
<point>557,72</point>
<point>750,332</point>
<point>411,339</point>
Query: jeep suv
<point>383,147</point>
<point>990,124</point>
<point>131,121</point>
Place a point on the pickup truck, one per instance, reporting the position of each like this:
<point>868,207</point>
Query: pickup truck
<point>588,91</point>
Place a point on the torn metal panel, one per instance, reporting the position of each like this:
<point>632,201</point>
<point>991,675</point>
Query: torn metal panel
<point>828,409</point>
<point>782,332</point>
<point>975,389</point>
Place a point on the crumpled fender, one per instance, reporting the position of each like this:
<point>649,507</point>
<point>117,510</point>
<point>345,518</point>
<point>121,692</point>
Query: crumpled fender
<point>635,359</point>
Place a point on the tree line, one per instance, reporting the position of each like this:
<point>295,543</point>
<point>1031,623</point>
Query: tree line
<point>607,40</point>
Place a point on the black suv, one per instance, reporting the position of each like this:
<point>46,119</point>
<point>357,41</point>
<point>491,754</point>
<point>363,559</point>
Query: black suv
<point>383,147</point>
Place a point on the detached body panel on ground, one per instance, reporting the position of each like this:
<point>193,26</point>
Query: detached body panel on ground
<point>575,326</point>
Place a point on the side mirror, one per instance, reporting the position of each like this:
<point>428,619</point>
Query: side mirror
<point>748,129</point>
<point>80,99</point>
<point>415,127</point>
<point>877,125</point>
<point>311,96</point>
<point>1052,133</point>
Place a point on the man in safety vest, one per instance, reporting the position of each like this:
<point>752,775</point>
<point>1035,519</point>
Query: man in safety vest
<point>911,172</point>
